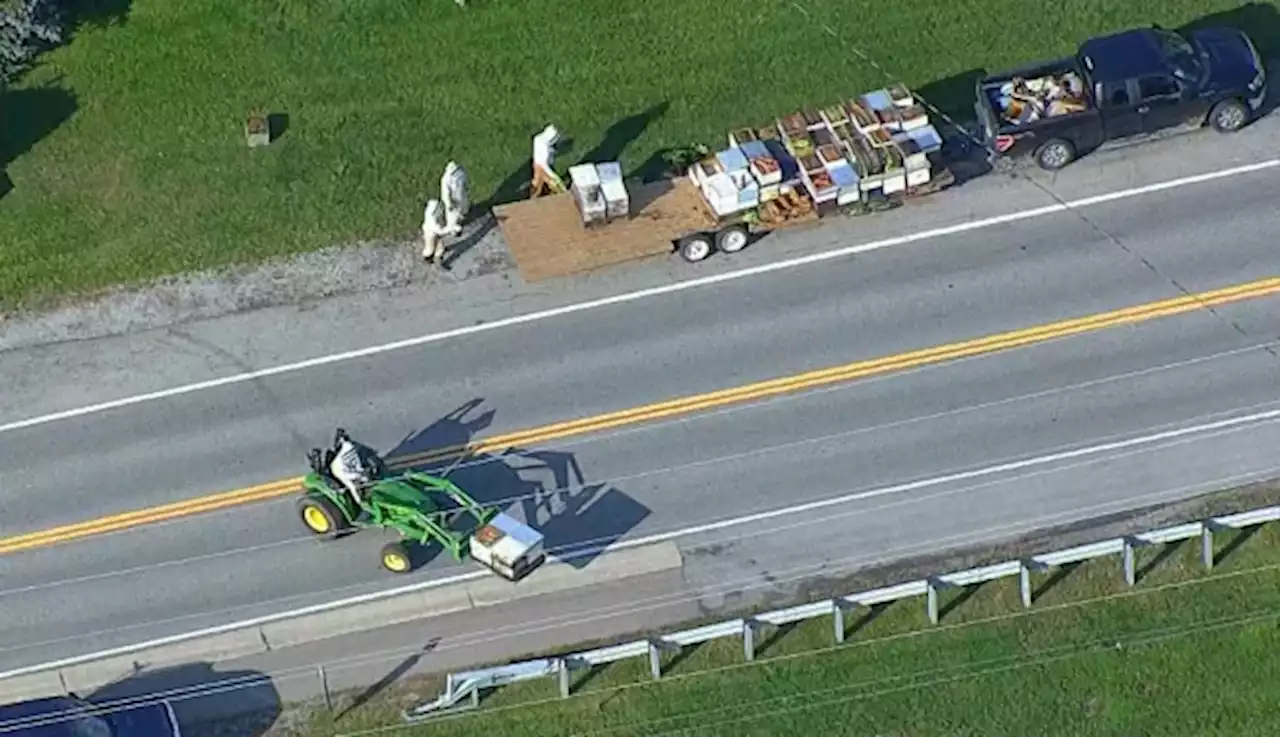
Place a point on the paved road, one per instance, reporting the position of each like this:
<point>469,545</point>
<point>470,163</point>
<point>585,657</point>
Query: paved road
<point>927,423</point>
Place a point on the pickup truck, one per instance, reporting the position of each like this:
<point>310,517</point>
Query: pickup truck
<point>1129,84</point>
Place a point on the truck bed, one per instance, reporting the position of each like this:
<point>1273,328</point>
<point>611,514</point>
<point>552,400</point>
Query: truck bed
<point>989,93</point>
<point>548,239</point>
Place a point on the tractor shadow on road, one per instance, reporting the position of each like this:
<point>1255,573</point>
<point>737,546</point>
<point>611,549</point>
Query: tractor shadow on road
<point>579,518</point>
<point>205,700</point>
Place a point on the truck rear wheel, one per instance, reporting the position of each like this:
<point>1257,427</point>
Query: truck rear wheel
<point>1228,116</point>
<point>1055,154</point>
<point>732,239</point>
<point>695,248</point>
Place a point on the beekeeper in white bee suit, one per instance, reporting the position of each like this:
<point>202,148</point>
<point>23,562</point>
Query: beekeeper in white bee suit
<point>544,159</point>
<point>455,193</point>
<point>349,468</point>
<point>434,230</point>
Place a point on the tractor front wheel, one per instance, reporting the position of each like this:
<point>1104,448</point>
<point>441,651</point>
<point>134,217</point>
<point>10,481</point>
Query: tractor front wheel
<point>395,558</point>
<point>321,516</point>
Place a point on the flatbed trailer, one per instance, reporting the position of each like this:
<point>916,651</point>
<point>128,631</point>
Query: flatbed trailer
<point>549,238</point>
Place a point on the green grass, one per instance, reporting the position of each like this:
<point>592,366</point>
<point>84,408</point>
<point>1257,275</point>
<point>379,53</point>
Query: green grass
<point>127,159</point>
<point>1184,652</point>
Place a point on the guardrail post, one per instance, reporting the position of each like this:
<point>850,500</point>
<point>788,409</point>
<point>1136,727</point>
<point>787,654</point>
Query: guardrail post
<point>837,619</point>
<point>565,675</point>
<point>1130,571</point>
<point>1024,583</point>
<point>324,687</point>
<point>655,661</point>
<point>931,600</point>
<point>1206,544</point>
<point>749,639</point>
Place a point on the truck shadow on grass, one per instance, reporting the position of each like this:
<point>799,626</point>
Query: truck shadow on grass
<point>579,519</point>
<point>206,701</point>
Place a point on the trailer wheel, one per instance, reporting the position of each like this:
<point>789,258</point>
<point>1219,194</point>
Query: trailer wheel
<point>1055,154</point>
<point>321,516</point>
<point>695,248</point>
<point>1228,116</point>
<point>395,558</point>
<point>732,239</point>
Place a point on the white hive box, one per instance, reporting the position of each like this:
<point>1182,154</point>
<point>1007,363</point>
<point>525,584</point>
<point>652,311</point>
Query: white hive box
<point>614,189</point>
<point>587,193</point>
<point>508,546</point>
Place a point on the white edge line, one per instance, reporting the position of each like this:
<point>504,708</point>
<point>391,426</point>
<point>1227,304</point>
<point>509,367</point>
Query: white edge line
<point>580,552</point>
<point>642,294</point>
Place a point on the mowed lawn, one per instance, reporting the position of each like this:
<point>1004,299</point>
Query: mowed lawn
<point>1185,652</point>
<point>126,159</point>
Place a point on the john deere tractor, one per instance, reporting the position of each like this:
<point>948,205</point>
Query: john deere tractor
<point>350,488</point>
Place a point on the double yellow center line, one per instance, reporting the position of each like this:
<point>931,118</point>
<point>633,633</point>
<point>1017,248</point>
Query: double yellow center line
<point>674,408</point>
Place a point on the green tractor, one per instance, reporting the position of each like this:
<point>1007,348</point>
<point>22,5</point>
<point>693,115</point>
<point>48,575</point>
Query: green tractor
<point>349,488</point>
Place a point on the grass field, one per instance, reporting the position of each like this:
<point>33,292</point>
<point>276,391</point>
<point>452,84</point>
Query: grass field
<point>126,158</point>
<point>1185,652</point>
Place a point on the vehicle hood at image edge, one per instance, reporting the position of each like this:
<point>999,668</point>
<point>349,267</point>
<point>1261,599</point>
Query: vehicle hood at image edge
<point>152,720</point>
<point>1231,60</point>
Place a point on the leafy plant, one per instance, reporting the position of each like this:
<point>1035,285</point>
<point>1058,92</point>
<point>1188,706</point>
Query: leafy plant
<point>680,158</point>
<point>28,27</point>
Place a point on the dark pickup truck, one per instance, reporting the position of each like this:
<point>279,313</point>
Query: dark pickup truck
<point>1134,83</point>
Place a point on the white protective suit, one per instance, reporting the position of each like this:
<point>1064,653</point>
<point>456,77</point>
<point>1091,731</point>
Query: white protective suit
<point>349,468</point>
<point>455,193</point>
<point>544,159</point>
<point>434,230</point>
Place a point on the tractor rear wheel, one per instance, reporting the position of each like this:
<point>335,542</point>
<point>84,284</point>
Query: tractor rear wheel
<point>321,516</point>
<point>395,558</point>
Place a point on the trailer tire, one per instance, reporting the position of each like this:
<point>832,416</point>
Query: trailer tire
<point>395,558</point>
<point>1055,153</point>
<point>321,517</point>
<point>732,239</point>
<point>1229,116</point>
<point>695,248</point>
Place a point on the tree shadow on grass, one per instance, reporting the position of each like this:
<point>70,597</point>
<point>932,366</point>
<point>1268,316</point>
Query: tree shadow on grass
<point>98,13</point>
<point>27,115</point>
<point>623,133</point>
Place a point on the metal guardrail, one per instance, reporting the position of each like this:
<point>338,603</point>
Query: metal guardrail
<point>466,686</point>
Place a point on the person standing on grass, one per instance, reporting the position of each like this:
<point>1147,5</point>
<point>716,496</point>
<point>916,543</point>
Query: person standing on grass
<point>434,230</point>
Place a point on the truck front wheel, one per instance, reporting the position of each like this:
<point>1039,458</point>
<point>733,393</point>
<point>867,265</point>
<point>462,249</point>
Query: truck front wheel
<point>1055,154</point>
<point>1228,116</point>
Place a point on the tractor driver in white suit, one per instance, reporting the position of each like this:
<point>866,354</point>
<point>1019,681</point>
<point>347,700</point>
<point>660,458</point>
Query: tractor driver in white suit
<point>348,467</point>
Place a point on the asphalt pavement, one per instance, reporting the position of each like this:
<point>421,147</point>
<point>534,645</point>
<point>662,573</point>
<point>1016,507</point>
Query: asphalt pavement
<point>894,450</point>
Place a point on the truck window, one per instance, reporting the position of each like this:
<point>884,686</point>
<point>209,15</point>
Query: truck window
<point>1114,94</point>
<point>1157,86</point>
<point>1180,54</point>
